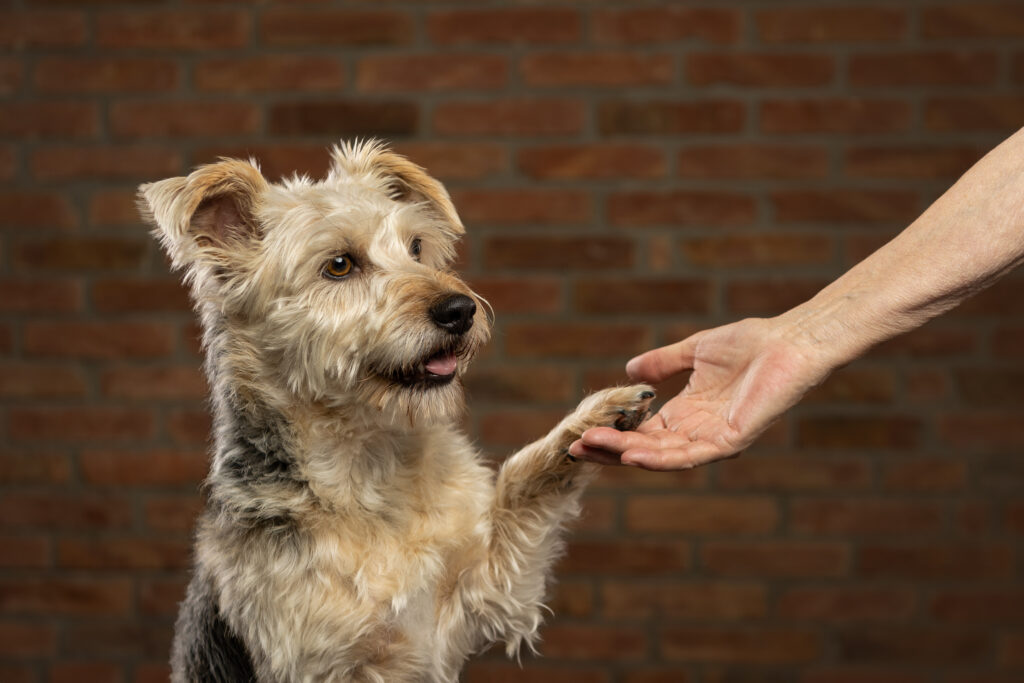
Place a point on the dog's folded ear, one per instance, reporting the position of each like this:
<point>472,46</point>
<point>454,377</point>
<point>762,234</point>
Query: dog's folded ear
<point>212,209</point>
<point>402,179</point>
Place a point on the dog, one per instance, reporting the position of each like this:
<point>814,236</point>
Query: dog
<point>351,531</point>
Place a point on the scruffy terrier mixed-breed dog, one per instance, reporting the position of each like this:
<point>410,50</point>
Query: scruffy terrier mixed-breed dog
<point>352,532</point>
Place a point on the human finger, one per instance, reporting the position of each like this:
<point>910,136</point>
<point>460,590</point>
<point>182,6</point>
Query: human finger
<point>659,364</point>
<point>581,451</point>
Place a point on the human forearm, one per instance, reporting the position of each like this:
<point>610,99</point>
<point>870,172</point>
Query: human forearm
<point>961,244</point>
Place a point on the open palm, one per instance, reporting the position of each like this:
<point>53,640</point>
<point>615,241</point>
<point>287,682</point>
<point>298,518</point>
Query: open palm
<point>744,377</point>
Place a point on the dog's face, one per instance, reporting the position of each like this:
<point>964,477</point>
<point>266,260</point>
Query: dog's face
<point>336,291</point>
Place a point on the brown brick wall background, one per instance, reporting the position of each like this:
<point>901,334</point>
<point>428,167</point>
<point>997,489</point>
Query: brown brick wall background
<point>630,172</point>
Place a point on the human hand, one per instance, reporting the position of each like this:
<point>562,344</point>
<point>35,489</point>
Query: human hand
<point>745,375</point>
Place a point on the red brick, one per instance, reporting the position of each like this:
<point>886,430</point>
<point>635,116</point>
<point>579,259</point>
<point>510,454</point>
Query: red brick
<point>759,69</point>
<point>937,561</point>
<point>810,24</point>
<point>1011,652</point>
<point>36,209</point>
<point>131,295</point>
<point>66,511</point>
<point>907,645</point>
<point>22,380</point>
<point>278,160</point>
<point>40,296</point>
<point>119,638</point>
<point>910,161</point>
<point>982,430</point>
<point>835,115</point>
<point>496,671</point>
<point>575,340</point>
<point>33,467</point>
<point>661,674</point>
<point>518,295</point>
<point>19,673</point>
<point>509,117</point>
<point>680,207</point>
<point>431,72</point>
<point>589,643</point>
<point>722,515</point>
<point>269,73</point>
<point>613,69</point>
<point>925,475</point>
<point>599,515</point>
<point>874,432</point>
<point>858,674</point>
<point>983,606</point>
<point>189,427</point>
<point>155,119</point>
<point>875,517</point>
<point>456,161</point>
<point>1008,341</point>
<point>160,383</point>
<point>973,20</point>
<point>752,161</point>
<point>629,478</point>
<point>76,254</point>
<point>163,467</point>
<point>34,120</point>
<point>780,559</point>
<point>572,599</point>
<point>80,424</point>
<point>1004,298</point>
<point>856,385</point>
<point>928,386</point>
<point>105,75</point>
<point>847,603</point>
<point>172,513</point>
<point>99,340</point>
<point>558,253</point>
<point>9,160</point>
<point>66,597</point>
<point>518,206</point>
<point>114,208</point>
<point>923,68</point>
<point>24,552</point>
<point>999,113</point>
<point>123,553</point>
<point>173,30</point>
<point>345,118</point>
<point>521,25</point>
<point>768,297</point>
<point>314,26</point>
<point>58,28</point>
<point>135,162</point>
<point>860,206</point>
<point>12,74</point>
<point>627,117</point>
<point>623,599</point>
<point>516,427</point>
<point>734,645</point>
<point>161,596</point>
<point>530,383</point>
<point>982,386</point>
<point>592,162</point>
<point>667,25</point>
<point>642,296</point>
<point>628,557</point>
<point>758,249</point>
<point>94,672</point>
<point>27,640</point>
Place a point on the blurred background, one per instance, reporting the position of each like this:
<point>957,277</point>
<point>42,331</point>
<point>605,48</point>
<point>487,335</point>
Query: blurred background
<point>630,172</point>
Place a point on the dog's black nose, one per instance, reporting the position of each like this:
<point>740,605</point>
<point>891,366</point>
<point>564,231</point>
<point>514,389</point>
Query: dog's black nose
<point>454,313</point>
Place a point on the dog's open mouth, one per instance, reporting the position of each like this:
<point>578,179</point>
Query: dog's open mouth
<point>436,369</point>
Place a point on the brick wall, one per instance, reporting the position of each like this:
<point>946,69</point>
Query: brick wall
<point>630,172</point>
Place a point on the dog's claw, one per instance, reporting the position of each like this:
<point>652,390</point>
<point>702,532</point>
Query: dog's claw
<point>647,394</point>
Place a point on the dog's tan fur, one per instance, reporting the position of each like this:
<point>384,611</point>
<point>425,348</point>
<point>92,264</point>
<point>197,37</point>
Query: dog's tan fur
<point>352,532</point>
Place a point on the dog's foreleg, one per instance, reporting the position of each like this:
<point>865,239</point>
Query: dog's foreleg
<point>537,492</point>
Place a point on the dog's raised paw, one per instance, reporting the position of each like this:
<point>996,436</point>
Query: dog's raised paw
<point>623,408</point>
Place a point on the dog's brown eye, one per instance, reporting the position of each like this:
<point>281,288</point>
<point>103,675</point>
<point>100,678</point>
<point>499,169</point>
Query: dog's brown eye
<point>338,267</point>
<point>415,248</point>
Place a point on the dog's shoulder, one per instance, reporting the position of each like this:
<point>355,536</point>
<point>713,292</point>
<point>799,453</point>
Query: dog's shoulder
<point>206,649</point>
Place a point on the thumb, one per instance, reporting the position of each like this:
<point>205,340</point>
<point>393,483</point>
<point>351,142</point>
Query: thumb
<point>661,363</point>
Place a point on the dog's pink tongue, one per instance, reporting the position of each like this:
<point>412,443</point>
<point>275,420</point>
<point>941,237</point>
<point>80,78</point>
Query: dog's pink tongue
<point>442,364</point>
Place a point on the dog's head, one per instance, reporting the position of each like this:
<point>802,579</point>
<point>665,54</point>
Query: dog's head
<point>338,291</point>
